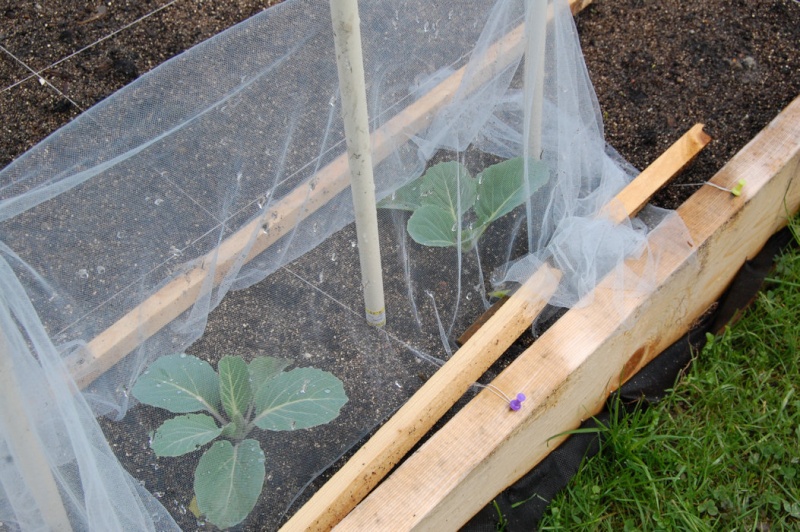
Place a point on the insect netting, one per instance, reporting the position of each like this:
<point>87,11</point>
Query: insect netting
<point>223,171</point>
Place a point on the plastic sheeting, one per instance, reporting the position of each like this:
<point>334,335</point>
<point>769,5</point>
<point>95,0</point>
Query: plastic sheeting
<point>218,171</point>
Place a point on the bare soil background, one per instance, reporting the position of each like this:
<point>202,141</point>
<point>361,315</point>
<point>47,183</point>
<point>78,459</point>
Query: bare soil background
<point>658,68</point>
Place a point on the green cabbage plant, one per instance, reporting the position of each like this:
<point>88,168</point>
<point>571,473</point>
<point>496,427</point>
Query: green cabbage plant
<point>447,196</point>
<point>227,406</point>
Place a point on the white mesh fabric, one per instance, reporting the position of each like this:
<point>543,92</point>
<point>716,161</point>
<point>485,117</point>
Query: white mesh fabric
<point>153,185</point>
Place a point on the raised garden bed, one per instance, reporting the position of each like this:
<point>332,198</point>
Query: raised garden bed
<point>569,371</point>
<point>241,311</point>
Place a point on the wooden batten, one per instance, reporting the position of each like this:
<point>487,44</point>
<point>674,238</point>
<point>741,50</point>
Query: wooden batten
<point>481,349</point>
<point>176,297</point>
<point>570,370</point>
<point>635,196</point>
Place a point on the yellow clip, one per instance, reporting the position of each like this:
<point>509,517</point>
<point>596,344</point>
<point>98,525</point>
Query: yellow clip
<point>737,190</point>
<point>499,293</point>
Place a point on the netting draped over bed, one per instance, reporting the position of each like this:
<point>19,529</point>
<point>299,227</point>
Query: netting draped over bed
<point>223,169</point>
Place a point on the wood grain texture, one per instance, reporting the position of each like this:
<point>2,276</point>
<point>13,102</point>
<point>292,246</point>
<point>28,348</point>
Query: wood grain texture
<point>480,350</point>
<point>569,371</point>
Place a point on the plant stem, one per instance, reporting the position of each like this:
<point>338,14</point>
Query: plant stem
<point>217,416</point>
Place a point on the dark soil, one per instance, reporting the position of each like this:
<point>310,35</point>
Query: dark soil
<point>57,39</point>
<point>658,68</point>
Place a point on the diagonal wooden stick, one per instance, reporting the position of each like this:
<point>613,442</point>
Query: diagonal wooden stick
<point>569,372</point>
<point>415,418</point>
<point>178,295</point>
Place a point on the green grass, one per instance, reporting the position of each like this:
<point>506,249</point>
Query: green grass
<point>722,451</point>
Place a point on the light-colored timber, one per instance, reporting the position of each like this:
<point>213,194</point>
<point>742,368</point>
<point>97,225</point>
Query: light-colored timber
<point>635,196</point>
<point>177,296</point>
<point>22,439</point>
<point>570,370</point>
<point>416,417</point>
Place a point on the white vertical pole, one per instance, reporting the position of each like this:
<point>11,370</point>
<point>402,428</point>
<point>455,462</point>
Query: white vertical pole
<point>535,42</point>
<point>350,62</point>
<point>29,458</point>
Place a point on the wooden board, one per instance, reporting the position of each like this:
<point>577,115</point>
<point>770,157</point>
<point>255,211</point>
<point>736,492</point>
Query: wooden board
<point>177,296</point>
<point>569,371</point>
<point>635,196</point>
<point>485,345</point>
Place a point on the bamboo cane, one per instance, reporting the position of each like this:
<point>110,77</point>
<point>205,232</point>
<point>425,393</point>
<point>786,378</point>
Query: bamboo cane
<point>535,41</point>
<point>178,295</point>
<point>349,60</point>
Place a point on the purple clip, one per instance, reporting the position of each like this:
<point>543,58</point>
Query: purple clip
<point>516,404</point>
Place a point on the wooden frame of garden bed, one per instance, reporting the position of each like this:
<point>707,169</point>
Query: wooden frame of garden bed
<point>375,459</point>
<point>176,297</point>
<point>570,371</point>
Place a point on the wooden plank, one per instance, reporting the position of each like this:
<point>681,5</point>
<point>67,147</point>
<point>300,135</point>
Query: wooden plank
<point>481,321</point>
<point>671,162</point>
<point>176,297</point>
<point>635,196</point>
<point>415,418</point>
<point>570,370</point>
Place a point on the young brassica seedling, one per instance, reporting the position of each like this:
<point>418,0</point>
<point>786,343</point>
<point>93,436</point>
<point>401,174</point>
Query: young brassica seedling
<point>229,405</point>
<point>447,199</point>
